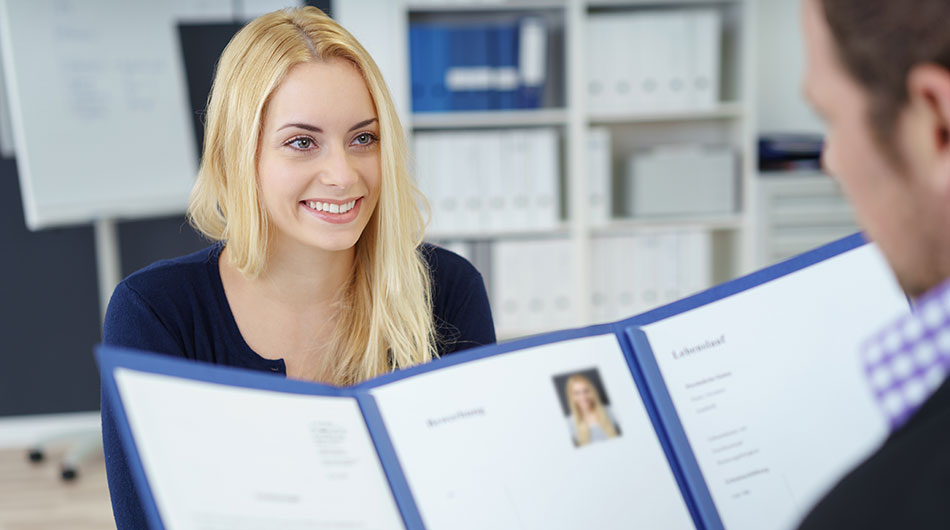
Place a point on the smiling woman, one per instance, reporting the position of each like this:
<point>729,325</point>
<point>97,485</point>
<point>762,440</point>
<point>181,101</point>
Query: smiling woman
<point>590,419</point>
<point>318,270</point>
<point>318,165</point>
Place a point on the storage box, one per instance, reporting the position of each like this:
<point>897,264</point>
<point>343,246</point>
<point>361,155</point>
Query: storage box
<point>681,181</point>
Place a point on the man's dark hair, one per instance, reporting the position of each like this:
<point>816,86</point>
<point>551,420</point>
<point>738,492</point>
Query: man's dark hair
<point>880,41</point>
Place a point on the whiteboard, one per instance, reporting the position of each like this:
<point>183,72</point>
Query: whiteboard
<point>99,109</point>
<point>224,11</point>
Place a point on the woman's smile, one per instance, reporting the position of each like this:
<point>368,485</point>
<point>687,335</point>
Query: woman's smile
<point>331,211</point>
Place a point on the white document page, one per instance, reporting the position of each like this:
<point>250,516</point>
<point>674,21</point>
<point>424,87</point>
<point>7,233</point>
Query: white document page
<point>221,457</point>
<point>487,444</point>
<point>770,389</point>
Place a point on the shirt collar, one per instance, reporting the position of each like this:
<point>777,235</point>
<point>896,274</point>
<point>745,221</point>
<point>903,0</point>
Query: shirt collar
<point>909,359</point>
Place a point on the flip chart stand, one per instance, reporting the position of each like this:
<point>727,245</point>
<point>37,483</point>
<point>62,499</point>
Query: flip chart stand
<point>84,444</point>
<point>108,265</point>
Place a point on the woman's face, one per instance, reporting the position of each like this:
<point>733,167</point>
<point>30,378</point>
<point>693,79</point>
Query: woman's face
<point>582,394</point>
<point>318,167</point>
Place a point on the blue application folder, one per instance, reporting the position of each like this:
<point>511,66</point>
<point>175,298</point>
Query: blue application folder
<point>718,403</point>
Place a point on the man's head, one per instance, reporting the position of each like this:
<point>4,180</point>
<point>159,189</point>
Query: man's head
<point>878,71</point>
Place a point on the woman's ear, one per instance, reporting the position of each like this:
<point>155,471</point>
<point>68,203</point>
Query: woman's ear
<point>928,91</point>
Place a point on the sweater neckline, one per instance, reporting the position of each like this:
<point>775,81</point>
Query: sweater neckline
<point>254,359</point>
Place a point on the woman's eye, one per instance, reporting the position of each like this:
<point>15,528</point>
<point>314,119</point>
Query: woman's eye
<point>365,139</point>
<point>302,143</point>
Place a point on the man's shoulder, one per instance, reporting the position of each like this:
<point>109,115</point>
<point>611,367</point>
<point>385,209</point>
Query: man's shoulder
<point>904,484</point>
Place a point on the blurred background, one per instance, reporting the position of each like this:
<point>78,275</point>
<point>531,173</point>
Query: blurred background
<point>594,159</point>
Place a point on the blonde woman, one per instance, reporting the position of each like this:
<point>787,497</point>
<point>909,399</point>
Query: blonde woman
<point>590,420</point>
<point>317,270</point>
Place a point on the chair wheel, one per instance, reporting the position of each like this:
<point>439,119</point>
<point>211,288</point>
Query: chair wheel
<point>69,473</point>
<point>36,455</point>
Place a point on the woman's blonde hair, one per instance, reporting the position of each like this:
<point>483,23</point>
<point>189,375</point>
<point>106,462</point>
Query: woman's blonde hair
<point>385,317</point>
<point>600,413</point>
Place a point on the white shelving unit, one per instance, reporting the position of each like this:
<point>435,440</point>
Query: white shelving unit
<point>730,122</point>
<point>798,211</point>
<point>489,118</point>
<point>626,226</point>
<point>723,111</point>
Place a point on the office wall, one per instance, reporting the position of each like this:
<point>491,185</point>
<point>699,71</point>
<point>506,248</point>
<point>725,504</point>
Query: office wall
<point>780,60</point>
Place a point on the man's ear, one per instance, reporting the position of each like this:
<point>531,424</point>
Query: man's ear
<point>928,89</point>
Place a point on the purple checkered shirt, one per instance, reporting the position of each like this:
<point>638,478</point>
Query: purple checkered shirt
<point>907,360</point>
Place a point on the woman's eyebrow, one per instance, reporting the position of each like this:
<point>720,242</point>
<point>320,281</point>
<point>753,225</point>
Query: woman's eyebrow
<point>314,128</point>
<point>361,124</point>
<point>304,126</point>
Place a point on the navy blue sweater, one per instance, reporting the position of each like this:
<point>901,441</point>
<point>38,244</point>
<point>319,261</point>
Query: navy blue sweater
<point>178,307</point>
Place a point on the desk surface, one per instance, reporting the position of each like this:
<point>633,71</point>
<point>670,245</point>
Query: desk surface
<point>33,497</point>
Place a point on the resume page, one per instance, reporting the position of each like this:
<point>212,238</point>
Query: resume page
<point>493,443</point>
<point>770,389</point>
<point>220,457</point>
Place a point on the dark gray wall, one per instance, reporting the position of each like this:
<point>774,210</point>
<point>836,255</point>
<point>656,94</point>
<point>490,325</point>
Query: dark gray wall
<point>48,312</point>
<point>49,307</point>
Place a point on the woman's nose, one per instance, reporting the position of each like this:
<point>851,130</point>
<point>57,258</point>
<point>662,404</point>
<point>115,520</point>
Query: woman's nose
<point>338,169</point>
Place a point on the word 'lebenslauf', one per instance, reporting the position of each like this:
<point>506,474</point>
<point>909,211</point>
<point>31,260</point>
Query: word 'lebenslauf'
<point>707,345</point>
